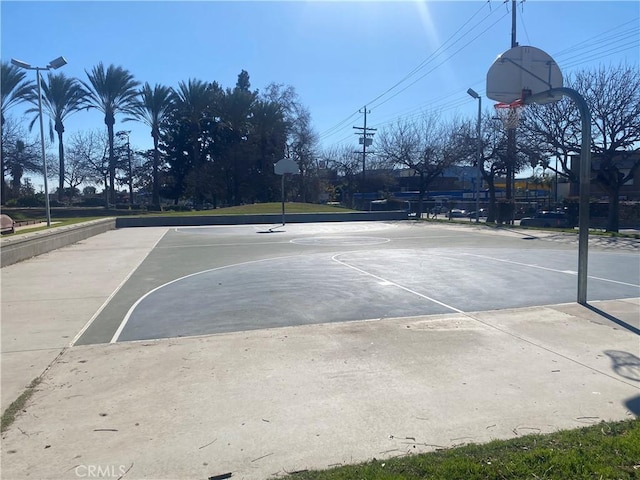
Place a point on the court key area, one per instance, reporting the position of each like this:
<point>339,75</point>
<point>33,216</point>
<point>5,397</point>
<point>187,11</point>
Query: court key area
<point>219,279</point>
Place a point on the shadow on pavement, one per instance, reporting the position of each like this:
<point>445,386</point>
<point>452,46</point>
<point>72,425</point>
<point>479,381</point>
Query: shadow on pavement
<point>615,320</point>
<point>633,404</point>
<point>625,364</point>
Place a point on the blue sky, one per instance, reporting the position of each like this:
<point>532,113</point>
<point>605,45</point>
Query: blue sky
<point>338,55</point>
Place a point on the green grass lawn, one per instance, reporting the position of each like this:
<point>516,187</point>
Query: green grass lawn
<point>264,208</point>
<point>55,222</point>
<point>608,450</point>
<point>258,208</point>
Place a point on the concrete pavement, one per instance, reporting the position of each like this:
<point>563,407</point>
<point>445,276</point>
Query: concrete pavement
<point>48,299</point>
<point>267,402</point>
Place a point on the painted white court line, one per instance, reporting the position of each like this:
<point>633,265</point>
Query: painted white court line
<point>389,282</point>
<point>118,332</point>
<point>106,302</point>
<point>209,245</point>
<point>567,272</point>
<point>490,325</point>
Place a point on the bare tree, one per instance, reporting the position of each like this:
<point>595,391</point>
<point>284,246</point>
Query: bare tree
<point>87,159</point>
<point>301,138</point>
<point>20,155</point>
<point>422,146</point>
<point>613,96</point>
<point>302,148</point>
<point>494,157</point>
<point>344,166</point>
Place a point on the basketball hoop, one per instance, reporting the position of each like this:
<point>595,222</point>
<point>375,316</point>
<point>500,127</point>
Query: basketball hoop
<point>509,113</point>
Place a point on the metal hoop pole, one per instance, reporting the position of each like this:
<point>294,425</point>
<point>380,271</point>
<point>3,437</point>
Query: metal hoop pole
<point>585,183</point>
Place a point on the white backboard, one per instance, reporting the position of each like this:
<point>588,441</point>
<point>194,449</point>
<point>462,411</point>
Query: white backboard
<point>286,165</point>
<point>522,68</point>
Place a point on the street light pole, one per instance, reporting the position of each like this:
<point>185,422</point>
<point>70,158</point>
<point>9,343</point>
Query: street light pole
<point>475,95</point>
<point>53,64</point>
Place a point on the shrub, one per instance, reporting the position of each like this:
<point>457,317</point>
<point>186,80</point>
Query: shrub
<point>178,208</point>
<point>30,201</point>
<point>92,202</point>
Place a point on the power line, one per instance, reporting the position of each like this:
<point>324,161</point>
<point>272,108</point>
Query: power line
<point>416,69</point>
<point>428,59</point>
<point>599,46</point>
<point>332,130</point>
<point>440,64</point>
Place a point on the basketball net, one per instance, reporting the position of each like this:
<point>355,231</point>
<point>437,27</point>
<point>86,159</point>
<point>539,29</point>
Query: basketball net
<point>509,113</point>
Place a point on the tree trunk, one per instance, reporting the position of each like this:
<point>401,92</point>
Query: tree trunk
<point>62,166</point>
<point>155,196</point>
<point>420,196</point>
<point>112,162</point>
<point>491,214</point>
<point>16,173</point>
<point>613,220</point>
<point>3,187</point>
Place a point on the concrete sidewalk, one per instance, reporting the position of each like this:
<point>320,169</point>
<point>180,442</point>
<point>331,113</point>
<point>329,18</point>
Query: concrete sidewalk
<point>47,300</point>
<point>267,402</point>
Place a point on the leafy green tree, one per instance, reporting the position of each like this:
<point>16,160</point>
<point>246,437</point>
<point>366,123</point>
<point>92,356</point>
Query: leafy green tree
<point>111,91</point>
<point>152,107</point>
<point>189,139</point>
<point>222,144</point>
<point>233,149</point>
<point>269,136</point>
<point>14,89</point>
<point>61,97</point>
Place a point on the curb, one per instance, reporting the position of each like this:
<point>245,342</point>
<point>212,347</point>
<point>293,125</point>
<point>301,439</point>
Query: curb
<point>28,245</point>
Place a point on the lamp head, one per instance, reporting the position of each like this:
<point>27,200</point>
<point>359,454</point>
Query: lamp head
<point>57,63</point>
<point>20,63</point>
<point>473,93</point>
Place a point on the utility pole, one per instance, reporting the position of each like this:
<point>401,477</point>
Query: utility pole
<point>511,133</point>
<point>365,139</point>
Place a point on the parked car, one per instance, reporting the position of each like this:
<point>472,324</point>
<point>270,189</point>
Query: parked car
<point>457,213</point>
<point>548,220</point>
<point>7,225</point>
<point>483,213</point>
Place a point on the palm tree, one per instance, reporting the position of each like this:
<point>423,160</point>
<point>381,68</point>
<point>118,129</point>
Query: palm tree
<point>14,90</point>
<point>111,91</point>
<point>193,102</point>
<point>195,105</point>
<point>61,97</point>
<point>151,107</point>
